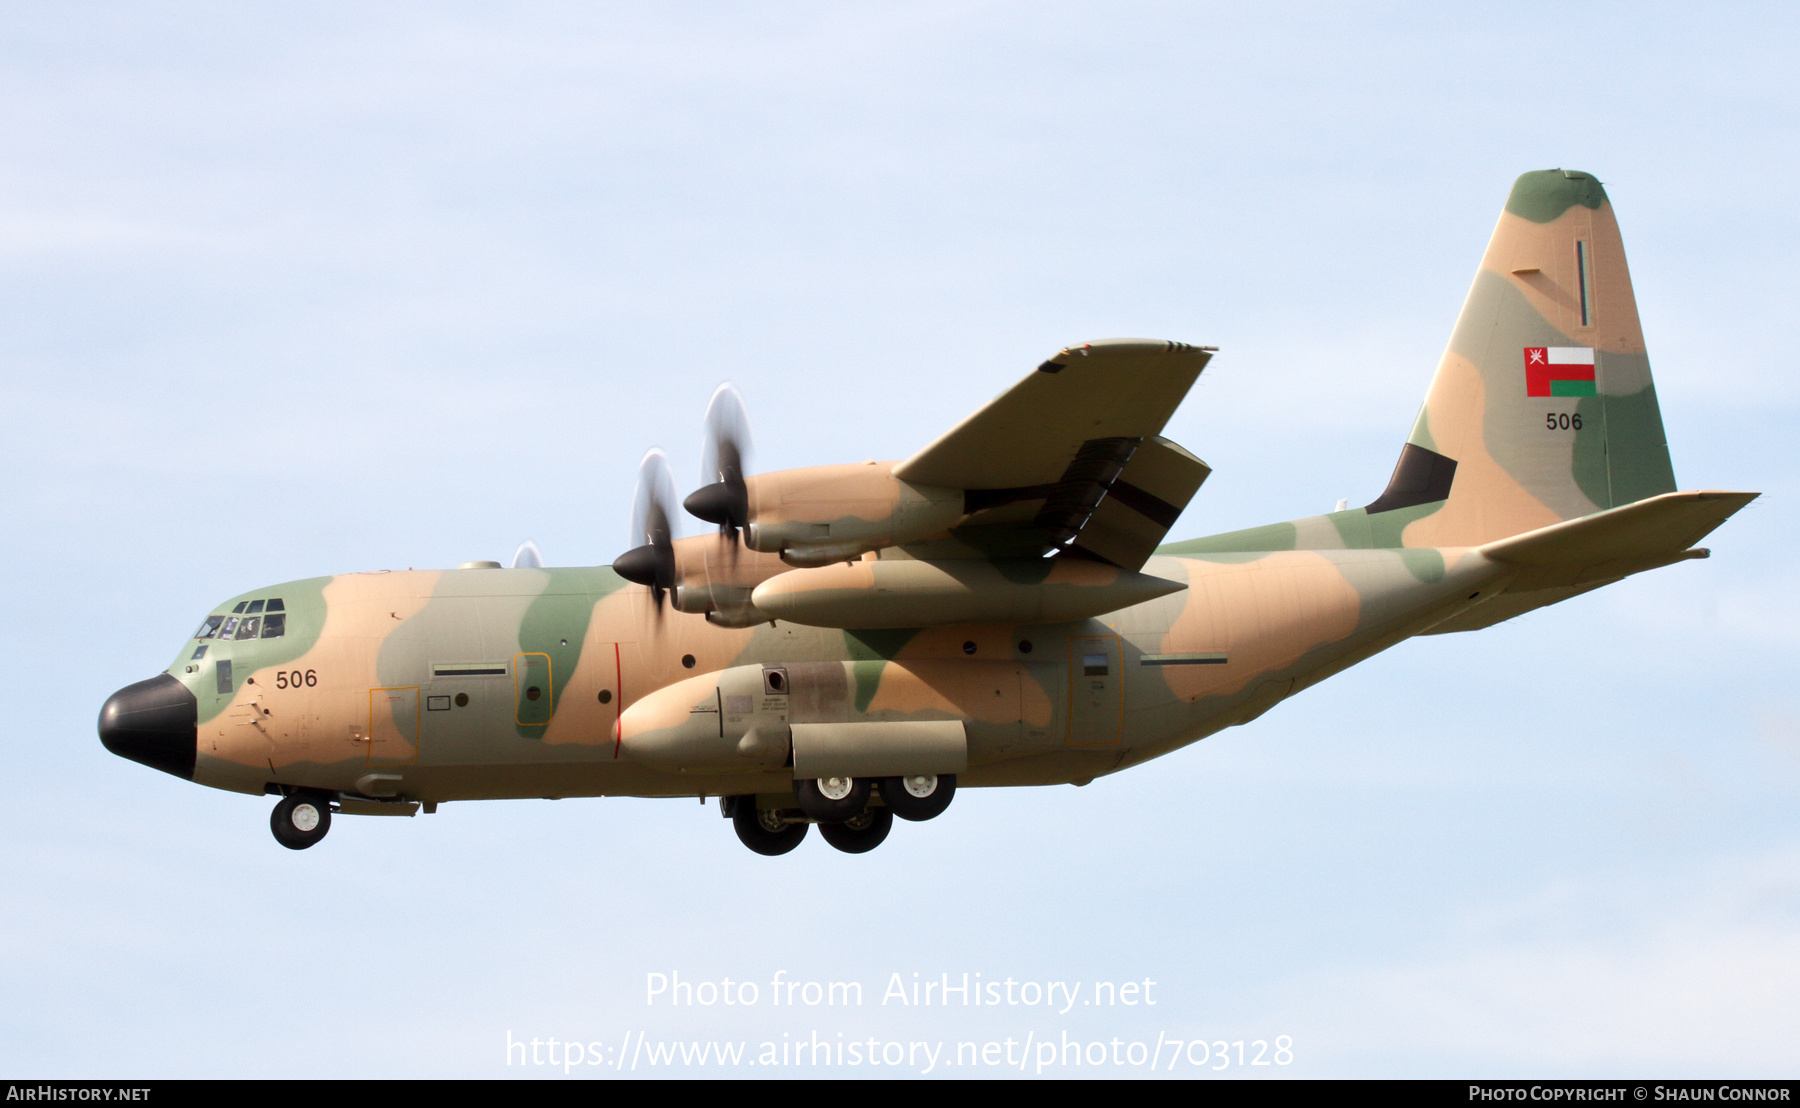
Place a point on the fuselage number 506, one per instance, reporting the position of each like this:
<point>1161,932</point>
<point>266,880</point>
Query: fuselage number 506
<point>294,679</point>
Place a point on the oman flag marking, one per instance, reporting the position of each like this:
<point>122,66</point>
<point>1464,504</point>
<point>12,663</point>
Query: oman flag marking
<point>1559,371</point>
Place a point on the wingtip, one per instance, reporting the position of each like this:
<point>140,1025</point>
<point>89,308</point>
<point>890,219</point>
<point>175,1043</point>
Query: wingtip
<point>1106,347</point>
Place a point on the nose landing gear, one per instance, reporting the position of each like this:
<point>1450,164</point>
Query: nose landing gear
<point>300,820</point>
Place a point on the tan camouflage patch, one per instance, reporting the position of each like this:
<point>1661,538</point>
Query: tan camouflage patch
<point>1263,615</point>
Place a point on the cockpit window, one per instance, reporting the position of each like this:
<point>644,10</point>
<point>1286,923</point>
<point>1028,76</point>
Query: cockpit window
<point>247,625</point>
<point>199,653</point>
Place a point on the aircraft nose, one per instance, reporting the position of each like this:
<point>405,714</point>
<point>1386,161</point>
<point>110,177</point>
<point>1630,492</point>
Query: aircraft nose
<point>152,722</point>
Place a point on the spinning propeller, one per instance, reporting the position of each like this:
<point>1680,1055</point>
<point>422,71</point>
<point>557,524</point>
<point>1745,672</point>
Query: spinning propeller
<point>528,556</point>
<point>652,562</point>
<point>726,500</point>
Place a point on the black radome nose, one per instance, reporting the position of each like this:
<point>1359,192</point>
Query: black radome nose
<point>153,722</point>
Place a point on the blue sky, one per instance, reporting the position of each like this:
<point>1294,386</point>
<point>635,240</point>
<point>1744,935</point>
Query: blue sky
<point>327,288</point>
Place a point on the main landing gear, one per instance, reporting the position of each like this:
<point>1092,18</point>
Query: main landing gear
<point>300,820</point>
<point>860,833</point>
<point>920,796</point>
<point>762,829</point>
<point>844,809</point>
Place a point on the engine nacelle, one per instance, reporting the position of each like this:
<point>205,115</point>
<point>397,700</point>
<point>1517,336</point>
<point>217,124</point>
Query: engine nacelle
<point>825,514</point>
<point>723,605</point>
<point>715,574</point>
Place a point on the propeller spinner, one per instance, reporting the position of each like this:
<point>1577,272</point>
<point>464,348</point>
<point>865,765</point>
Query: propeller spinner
<point>726,500</point>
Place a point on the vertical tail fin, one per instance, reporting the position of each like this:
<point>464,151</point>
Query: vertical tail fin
<point>1542,408</point>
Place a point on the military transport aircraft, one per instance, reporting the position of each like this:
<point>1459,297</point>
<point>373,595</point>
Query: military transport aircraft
<point>856,642</point>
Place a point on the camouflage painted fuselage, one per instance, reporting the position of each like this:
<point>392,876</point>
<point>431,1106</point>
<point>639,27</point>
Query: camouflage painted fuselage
<point>379,673</point>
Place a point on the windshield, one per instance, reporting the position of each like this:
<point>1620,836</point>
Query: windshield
<point>271,624</point>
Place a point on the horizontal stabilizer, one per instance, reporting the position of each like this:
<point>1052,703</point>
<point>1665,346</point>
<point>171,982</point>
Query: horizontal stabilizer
<point>1567,559</point>
<point>1661,527</point>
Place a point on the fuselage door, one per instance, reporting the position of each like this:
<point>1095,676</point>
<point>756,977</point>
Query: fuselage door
<point>393,726</point>
<point>1096,690</point>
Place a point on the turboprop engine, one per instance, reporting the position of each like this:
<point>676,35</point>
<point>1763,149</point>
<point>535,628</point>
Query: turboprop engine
<point>825,514</point>
<point>714,575</point>
<point>813,516</point>
<point>852,719</point>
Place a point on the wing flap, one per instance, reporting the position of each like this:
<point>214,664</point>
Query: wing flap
<point>1142,504</point>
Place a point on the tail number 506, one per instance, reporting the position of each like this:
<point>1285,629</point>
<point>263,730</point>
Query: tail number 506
<point>294,679</point>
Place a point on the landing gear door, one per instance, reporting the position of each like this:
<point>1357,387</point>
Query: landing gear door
<point>1096,691</point>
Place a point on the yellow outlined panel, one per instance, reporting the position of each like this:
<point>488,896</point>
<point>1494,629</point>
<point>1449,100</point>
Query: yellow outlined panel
<point>1096,691</point>
<point>534,693</point>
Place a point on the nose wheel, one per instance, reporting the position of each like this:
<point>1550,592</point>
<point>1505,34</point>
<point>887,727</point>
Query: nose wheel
<point>300,820</point>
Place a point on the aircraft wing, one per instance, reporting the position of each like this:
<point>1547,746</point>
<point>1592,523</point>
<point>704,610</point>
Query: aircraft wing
<point>1033,432</point>
<point>1071,458</point>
